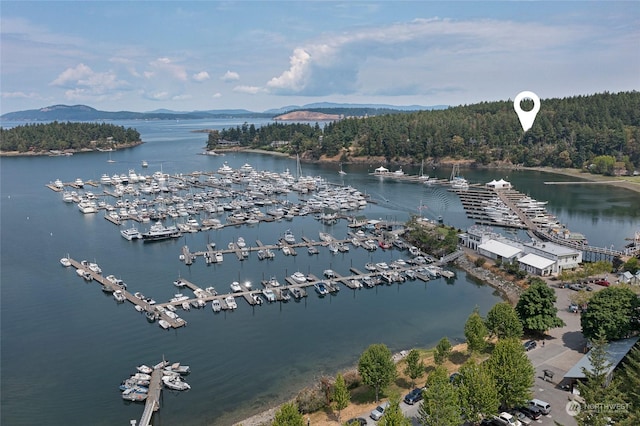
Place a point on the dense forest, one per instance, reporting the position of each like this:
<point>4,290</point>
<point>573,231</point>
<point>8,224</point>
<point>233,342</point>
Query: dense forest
<point>65,136</point>
<point>568,132</point>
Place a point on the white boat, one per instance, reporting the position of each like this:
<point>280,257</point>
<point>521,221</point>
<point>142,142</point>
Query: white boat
<point>216,306</point>
<point>67,196</point>
<point>231,302</point>
<point>175,383</point>
<point>119,296</point>
<point>289,237</point>
<point>218,256</point>
<point>58,184</point>
<point>225,169</point>
<point>164,324</point>
<point>273,282</point>
<point>65,262</point>
<point>299,277</point>
<point>105,179</point>
<point>235,287</point>
<point>79,183</point>
<point>286,250</point>
<point>144,164</point>
<point>329,273</point>
<point>241,243</point>
<point>87,206</point>
<point>159,232</point>
<point>131,233</point>
<point>269,295</point>
<point>145,369</point>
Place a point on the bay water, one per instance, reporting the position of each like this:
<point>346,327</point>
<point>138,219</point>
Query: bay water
<point>66,346</point>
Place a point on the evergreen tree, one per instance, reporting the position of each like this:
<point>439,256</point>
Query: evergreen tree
<point>440,406</point>
<point>600,396</point>
<point>393,414</point>
<point>512,372</point>
<point>628,381</point>
<point>536,308</point>
<point>415,366</point>
<point>502,321</point>
<point>341,394</point>
<point>477,390</point>
<point>376,367</point>
<point>443,350</point>
<point>288,415</point>
<point>475,332</point>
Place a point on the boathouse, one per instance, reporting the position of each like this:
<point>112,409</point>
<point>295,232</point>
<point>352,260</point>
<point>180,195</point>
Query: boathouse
<point>498,250</point>
<point>563,257</point>
<point>537,265</point>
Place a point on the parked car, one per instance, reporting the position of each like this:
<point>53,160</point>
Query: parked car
<point>603,283</point>
<point>521,417</point>
<point>574,308</point>
<point>378,412</point>
<point>530,344</point>
<point>357,421</point>
<point>506,419</point>
<point>576,286</point>
<point>543,406</point>
<point>414,396</point>
<point>531,411</point>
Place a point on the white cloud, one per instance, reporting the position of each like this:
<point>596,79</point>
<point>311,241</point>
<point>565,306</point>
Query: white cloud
<point>181,97</point>
<point>201,76</point>
<point>216,95</point>
<point>19,95</point>
<point>85,84</point>
<point>250,90</point>
<point>334,64</point>
<point>230,76</point>
<point>167,66</point>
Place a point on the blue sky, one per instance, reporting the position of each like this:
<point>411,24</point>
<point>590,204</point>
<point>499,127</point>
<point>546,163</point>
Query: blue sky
<point>256,55</point>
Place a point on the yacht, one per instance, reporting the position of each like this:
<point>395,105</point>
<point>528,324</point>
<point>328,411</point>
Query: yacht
<point>241,243</point>
<point>218,256</point>
<point>215,305</point>
<point>119,296</point>
<point>289,237</point>
<point>88,206</point>
<point>159,232</point>
<point>231,302</point>
<point>225,169</point>
<point>235,287</point>
<point>105,179</point>
<point>58,184</point>
<point>269,295</point>
<point>131,233</point>
<point>144,163</point>
<point>65,262</point>
<point>79,183</point>
<point>299,277</point>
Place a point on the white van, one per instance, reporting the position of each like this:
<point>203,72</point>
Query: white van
<point>545,407</point>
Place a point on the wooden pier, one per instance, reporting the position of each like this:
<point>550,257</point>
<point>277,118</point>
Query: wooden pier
<point>152,403</point>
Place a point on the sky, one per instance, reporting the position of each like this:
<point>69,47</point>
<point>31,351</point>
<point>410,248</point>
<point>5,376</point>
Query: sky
<point>258,55</point>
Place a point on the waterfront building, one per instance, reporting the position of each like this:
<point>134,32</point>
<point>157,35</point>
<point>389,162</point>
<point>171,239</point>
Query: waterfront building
<point>537,265</point>
<point>500,250</point>
<point>563,257</point>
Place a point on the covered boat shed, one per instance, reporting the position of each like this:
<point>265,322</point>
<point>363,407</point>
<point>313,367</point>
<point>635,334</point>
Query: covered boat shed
<point>616,351</point>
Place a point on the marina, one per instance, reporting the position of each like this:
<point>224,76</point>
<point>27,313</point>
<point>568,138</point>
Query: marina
<point>75,323</point>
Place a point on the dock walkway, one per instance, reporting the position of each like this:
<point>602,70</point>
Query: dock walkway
<point>152,403</point>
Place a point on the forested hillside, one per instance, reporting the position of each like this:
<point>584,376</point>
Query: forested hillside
<point>65,136</point>
<point>568,132</point>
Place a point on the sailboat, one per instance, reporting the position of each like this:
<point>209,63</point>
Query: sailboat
<point>341,172</point>
<point>422,175</point>
<point>110,160</point>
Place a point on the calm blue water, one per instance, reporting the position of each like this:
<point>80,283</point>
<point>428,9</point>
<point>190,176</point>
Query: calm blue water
<point>66,346</point>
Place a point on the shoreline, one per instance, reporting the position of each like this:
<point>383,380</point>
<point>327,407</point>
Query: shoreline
<point>509,291</point>
<point>67,151</point>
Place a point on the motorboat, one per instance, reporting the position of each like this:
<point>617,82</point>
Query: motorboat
<point>131,233</point>
<point>105,179</point>
<point>132,394</point>
<point>289,237</point>
<point>218,256</point>
<point>286,250</point>
<point>235,287</point>
<point>269,295</point>
<point>231,302</point>
<point>370,267</point>
<point>65,262</point>
<point>88,206</point>
<point>119,296</point>
<point>144,164</point>
<point>164,324</point>
<point>329,273</point>
<point>296,292</point>
<point>145,369</point>
<point>273,282</point>
<point>299,277</point>
<point>175,383</point>
<point>79,183</point>
<point>241,243</point>
<point>312,250</point>
<point>216,306</point>
<point>321,288</point>
<point>159,232</point>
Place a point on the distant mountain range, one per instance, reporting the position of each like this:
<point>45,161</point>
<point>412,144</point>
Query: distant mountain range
<point>87,113</point>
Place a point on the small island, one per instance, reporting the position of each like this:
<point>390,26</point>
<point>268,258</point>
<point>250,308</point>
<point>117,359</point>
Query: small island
<point>57,138</point>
